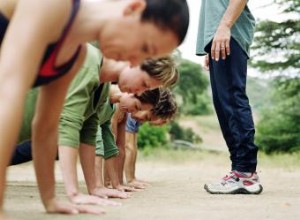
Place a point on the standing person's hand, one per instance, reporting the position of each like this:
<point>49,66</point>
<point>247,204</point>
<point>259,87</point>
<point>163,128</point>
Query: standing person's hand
<point>221,43</point>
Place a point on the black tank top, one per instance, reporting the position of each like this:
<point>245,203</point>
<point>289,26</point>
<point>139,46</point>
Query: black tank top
<point>48,71</point>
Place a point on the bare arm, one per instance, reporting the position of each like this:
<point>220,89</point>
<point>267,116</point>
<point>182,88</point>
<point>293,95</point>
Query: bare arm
<point>19,64</point>
<point>220,44</point>
<point>87,159</point>
<point>44,137</point>
<point>120,141</point>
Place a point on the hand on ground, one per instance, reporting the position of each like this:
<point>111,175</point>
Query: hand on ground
<point>91,200</point>
<point>123,188</point>
<point>55,206</point>
<point>137,184</point>
<point>111,193</point>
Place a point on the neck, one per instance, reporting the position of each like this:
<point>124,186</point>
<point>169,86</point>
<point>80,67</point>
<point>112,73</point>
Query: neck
<point>93,16</point>
<point>114,94</point>
<point>111,70</point>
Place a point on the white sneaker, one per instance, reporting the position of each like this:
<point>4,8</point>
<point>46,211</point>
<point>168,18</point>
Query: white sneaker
<point>236,183</point>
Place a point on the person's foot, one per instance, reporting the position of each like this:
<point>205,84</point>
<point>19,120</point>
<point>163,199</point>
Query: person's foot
<point>236,183</point>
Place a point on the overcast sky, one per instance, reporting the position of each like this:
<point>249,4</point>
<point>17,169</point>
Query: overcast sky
<point>188,48</point>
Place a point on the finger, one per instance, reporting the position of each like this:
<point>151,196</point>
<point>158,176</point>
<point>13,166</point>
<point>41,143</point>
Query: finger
<point>223,51</point>
<point>212,50</point>
<point>131,189</point>
<point>118,194</point>
<point>227,46</point>
<point>110,203</point>
<point>217,51</point>
<point>64,209</point>
<point>95,210</point>
<point>206,62</point>
<point>101,195</point>
<point>137,185</point>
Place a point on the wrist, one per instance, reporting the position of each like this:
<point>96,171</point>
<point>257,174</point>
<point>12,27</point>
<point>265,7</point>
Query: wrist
<point>226,24</point>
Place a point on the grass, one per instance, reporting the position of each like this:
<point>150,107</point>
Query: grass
<point>207,122</point>
<point>208,127</point>
<point>285,161</point>
<point>288,161</point>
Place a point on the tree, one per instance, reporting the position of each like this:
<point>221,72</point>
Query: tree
<point>279,128</point>
<point>152,136</point>
<point>277,50</point>
<point>277,44</point>
<point>192,89</point>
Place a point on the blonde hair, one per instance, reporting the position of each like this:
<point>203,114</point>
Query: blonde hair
<point>163,69</point>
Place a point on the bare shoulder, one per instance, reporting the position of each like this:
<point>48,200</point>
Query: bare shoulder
<point>50,15</point>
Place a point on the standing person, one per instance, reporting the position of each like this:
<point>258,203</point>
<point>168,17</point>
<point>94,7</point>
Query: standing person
<point>225,34</point>
<point>52,47</point>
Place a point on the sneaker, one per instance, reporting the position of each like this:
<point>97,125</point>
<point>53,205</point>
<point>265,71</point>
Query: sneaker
<point>236,183</point>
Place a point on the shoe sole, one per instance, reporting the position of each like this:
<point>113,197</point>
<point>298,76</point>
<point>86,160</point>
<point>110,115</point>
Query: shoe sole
<point>237,191</point>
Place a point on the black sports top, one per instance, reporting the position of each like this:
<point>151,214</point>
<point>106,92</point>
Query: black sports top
<point>48,71</point>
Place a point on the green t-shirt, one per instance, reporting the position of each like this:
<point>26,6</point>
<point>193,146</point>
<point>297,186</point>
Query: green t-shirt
<point>105,142</point>
<point>80,116</point>
<point>211,14</point>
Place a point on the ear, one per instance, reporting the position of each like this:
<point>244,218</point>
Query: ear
<point>135,7</point>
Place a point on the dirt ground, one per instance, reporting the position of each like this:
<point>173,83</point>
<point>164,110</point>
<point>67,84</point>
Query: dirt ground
<point>176,193</point>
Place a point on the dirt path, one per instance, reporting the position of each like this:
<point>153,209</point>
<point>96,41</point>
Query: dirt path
<point>176,193</point>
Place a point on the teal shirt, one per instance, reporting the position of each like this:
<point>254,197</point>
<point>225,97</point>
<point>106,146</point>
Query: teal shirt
<point>211,13</point>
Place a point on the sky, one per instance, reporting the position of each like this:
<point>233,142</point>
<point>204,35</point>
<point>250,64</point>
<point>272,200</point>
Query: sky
<point>188,47</point>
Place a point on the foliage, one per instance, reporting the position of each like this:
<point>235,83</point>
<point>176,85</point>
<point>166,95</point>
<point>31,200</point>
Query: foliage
<point>178,133</point>
<point>152,136</point>
<point>277,50</point>
<point>192,88</point>
<point>279,129</point>
<point>259,92</point>
<point>277,44</point>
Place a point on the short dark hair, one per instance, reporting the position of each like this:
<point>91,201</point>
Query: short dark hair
<point>149,97</point>
<point>166,108</point>
<point>168,14</point>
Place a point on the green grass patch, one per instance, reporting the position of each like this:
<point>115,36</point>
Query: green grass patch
<point>288,161</point>
<point>167,155</point>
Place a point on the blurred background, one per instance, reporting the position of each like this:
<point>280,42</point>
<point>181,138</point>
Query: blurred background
<point>273,87</point>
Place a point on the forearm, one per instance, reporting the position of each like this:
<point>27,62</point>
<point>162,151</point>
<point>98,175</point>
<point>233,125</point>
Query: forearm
<point>99,171</point>
<point>10,112</point>
<point>44,150</point>
<point>130,160</point>
<point>87,159</point>
<point>68,162</point>
<point>233,12</point>
<point>111,166</point>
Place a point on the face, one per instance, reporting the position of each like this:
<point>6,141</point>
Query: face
<point>134,80</point>
<point>129,103</point>
<point>143,116</point>
<point>129,39</point>
<point>159,122</point>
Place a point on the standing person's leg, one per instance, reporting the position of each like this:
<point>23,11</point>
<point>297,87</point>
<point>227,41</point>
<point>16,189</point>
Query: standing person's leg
<point>235,117</point>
